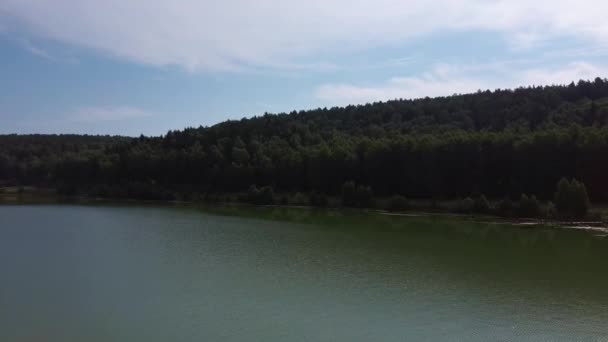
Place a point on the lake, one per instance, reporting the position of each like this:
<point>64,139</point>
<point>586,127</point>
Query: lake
<point>178,273</point>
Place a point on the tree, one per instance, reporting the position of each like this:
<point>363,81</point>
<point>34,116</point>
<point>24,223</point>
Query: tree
<point>505,207</point>
<point>240,155</point>
<point>563,196</point>
<point>550,211</point>
<point>580,201</point>
<point>571,199</point>
<point>499,143</point>
<point>529,206</point>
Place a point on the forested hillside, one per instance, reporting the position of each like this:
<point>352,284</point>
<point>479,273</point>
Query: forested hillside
<point>499,143</point>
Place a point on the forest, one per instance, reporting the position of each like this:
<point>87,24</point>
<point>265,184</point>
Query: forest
<point>501,145</point>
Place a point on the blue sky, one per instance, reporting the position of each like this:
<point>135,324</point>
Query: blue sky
<point>147,66</point>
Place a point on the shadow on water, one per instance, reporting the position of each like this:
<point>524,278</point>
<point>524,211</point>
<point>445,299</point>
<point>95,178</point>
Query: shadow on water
<point>542,260</point>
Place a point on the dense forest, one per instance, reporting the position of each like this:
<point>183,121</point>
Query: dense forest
<point>499,144</point>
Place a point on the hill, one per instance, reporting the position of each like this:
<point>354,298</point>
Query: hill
<point>499,143</point>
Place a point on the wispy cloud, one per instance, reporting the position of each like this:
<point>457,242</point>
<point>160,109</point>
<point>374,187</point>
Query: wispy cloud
<point>445,80</point>
<point>103,114</point>
<point>233,35</point>
<point>35,50</point>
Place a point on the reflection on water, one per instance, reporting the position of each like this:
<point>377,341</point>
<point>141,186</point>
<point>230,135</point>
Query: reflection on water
<point>128,273</point>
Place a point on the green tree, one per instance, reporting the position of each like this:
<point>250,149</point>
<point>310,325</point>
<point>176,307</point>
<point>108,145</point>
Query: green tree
<point>240,155</point>
<point>563,196</point>
<point>571,199</point>
<point>528,206</point>
<point>550,211</point>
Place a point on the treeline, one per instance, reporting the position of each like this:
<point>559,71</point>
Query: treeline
<point>569,201</point>
<point>501,144</point>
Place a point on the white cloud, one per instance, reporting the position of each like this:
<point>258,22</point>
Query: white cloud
<point>237,34</point>
<point>573,72</point>
<point>103,114</point>
<point>446,80</point>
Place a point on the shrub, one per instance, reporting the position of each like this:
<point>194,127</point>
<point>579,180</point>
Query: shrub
<point>283,200</point>
<point>364,197</point>
<point>505,208</point>
<point>262,196</point>
<point>253,194</point>
<point>357,196</point>
<point>349,194</point>
<point>298,199</point>
<point>465,206</point>
<point>481,205</point>
<point>266,195</point>
<point>318,200</point>
<point>562,196</point>
<point>398,203</point>
<point>434,205</point>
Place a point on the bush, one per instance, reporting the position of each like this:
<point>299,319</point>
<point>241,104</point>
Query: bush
<point>481,205</point>
<point>364,197</point>
<point>357,196</point>
<point>505,208</point>
<point>465,206</point>
<point>398,203</point>
<point>298,199</point>
<point>64,189</point>
<point>266,195</point>
<point>571,199</point>
<point>528,206</point>
<point>262,196</point>
<point>318,200</point>
<point>434,205</point>
<point>253,194</point>
<point>349,194</point>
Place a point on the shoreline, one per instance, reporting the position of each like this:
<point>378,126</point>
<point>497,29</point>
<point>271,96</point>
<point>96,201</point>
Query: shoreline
<point>50,197</point>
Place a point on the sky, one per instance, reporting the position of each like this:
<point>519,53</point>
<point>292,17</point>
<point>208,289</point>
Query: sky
<point>148,66</point>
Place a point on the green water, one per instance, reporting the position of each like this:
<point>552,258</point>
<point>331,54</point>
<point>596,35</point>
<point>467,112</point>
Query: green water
<point>143,273</point>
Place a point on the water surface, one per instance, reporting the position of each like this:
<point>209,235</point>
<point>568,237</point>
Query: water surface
<point>145,273</point>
